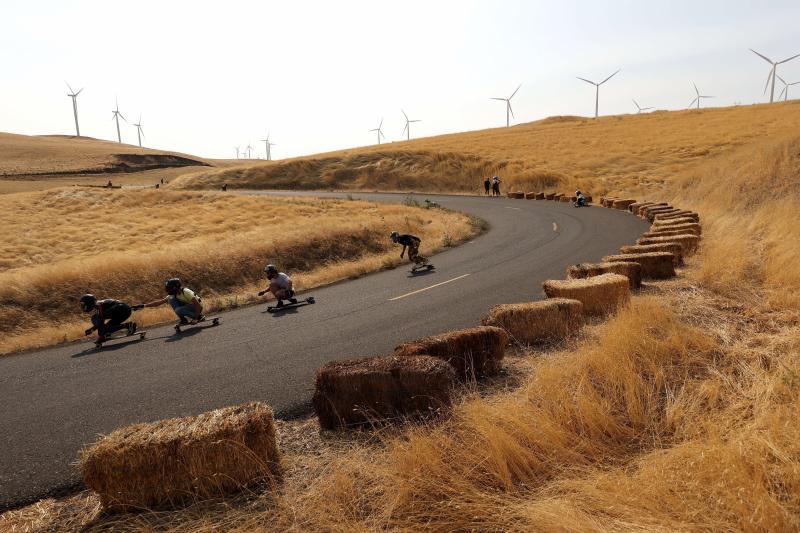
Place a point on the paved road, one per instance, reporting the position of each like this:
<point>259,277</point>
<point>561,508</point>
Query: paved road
<point>56,400</point>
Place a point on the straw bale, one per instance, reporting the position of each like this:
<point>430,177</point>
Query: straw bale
<point>548,320</point>
<point>588,198</point>
<point>557,196</point>
<point>516,194</point>
<point>600,295</point>
<point>608,201</point>
<point>668,233</point>
<point>180,460</point>
<point>587,270</point>
<point>672,247</point>
<point>565,198</point>
<point>639,211</point>
<point>376,390</point>
<point>622,204</point>
<point>680,214</point>
<point>688,242</point>
<point>473,352</point>
<point>549,195</point>
<point>673,222</point>
<point>539,196</point>
<point>530,195</point>
<point>651,215</point>
<point>655,265</point>
<point>688,227</point>
<point>636,205</point>
<point>645,211</point>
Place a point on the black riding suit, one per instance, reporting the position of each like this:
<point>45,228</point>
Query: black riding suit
<point>110,315</point>
<point>412,242</point>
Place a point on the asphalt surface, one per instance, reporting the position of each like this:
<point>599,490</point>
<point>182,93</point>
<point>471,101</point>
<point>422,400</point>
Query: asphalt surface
<point>54,401</point>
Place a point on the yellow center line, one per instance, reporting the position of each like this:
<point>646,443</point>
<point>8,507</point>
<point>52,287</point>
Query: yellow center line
<point>426,288</point>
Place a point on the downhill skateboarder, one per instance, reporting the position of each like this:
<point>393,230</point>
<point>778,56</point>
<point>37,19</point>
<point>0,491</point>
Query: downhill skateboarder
<point>411,242</point>
<point>280,285</point>
<point>109,316</point>
<point>186,304</point>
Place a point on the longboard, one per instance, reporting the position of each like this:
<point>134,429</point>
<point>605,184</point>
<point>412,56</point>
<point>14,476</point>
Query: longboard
<point>424,268</point>
<point>210,321</point>
<point>300,303</point>
<point>141,334</point>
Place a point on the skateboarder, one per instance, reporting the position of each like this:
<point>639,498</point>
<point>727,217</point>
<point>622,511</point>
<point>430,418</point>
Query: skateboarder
<point>280,285</point>
<point>411,242</point>
<point>109,316</point>
<point>580,199</point>
<point>186,304</point>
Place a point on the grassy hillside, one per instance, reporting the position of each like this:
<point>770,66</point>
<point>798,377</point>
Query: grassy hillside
<point>634,153</point>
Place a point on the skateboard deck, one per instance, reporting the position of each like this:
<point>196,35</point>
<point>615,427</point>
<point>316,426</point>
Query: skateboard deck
<point>300,303</point>
<point>210,321</point>
<point>423,268</point>
<point>114,336</point>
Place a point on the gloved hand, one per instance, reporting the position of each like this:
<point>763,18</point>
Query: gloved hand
<point>262,293</point>
<point>89,331</point>
<point>137,307</point>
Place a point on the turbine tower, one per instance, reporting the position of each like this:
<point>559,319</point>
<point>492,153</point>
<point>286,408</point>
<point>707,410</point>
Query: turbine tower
<point>74,95</point>
<point>139,130</point>
<point>772,72</point>
<point>785,91</point>
<point>639,108</point>
<point>508,105</point>
<point>698,98</point>
<point>380,132</point>
<point>237,151</point>
<point>407,129</point>
<point>268,146</point>
<point>249,149</point>
<point>115,114</point>
<point>597,90</point>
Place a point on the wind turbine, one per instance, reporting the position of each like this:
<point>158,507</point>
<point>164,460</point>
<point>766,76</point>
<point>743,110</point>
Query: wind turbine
<point>74,95</point>
<point>785,91</point>
<point>772,72</point>
<point>597,90</point>
<point>115,114</point>
<point>237,151</point>
<point>139,130</point>
<point>249,149</point>
<point>508,104</point>
<point>268,146</point>
<point>699,97</point>
<point>640,109</point>
<point>407,129</point>
<point>380,132</point>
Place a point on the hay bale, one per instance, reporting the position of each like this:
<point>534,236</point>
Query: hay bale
<point>694,229</point>
<point>639,210</point>
<point>622,204</point>
<point>645,212</point>
<point>518,195</point>
<point>636,205</point>
<point>600,295</point>
<point>565,198</point>
<point>655,265</point>
<point>668,233</point>
<point>673,222</point>
<point>557,196</point>
<point>608,201</point>
<point>530,195</point>
<point>180,460</point>
<point>473,352</point>
<point>549,195</point>
<point>374,390</point>
<point>588,198</point>
<point>680,214</point>
<point>651,215</point>
<point>632,271</point>
<point>537,322</point>
<point>672,247</point>
<point>539,196</point>
<point>687,241</point>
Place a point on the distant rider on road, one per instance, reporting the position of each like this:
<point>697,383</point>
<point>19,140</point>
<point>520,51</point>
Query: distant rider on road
<point>411,242</point>
<point>186,304</point>
<point>280,285</point>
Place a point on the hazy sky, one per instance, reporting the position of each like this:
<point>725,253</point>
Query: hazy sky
<point>207,76</point>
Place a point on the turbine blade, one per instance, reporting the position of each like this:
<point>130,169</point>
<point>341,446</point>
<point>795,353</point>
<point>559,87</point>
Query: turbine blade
<point>418,120</point>
<point>587,81</point>
<point>782,80</point>
<point>503,99</point>
<point>381,124</point>
<point>515,92</point>
<point>608,78</point>
<point>693,101</point>
<point>695,89</point>
<point>69,87</point>
<point>766,85</point>
<point>765,58</point>
<point>787,60</point>
<point>636,104</point>
<point>405,128</point>
<point>511,109</point>
<point>404,114</point>
<point>79,92</point>
<point>783,91</point>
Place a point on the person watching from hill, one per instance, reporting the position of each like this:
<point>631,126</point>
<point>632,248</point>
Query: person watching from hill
<point>109,316</point>
<point>187,305</point>
<point>280,285</point>
<point>487,185</point>
<point>495,186</point>
<point>411,242</point>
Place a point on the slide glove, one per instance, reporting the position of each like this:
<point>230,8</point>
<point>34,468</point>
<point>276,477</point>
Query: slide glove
<point>89,331</point>
<point>137,307</point>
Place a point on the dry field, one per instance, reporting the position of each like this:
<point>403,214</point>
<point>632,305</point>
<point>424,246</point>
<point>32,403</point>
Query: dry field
<point>123,244</point>
<point>634,153</point>
<point>678,413</point>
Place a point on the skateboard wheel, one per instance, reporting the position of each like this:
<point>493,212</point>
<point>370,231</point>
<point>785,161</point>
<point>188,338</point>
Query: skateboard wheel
<point>215,321</point>
<point>311,300</point>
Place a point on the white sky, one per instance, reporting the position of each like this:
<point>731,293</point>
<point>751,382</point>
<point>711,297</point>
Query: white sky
<point>208,76</point>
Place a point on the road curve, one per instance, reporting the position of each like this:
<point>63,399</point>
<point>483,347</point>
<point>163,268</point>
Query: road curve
<point>56,400</point>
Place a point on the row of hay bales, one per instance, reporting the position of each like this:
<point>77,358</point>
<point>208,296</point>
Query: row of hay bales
<point>171,462</point>
<point>554,196</point>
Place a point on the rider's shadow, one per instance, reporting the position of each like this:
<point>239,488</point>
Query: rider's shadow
<point>281,312</point>
<point>420,273</point>
<point>185,333</point>
<point>104,349</point>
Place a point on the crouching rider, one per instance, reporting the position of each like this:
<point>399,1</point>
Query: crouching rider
<point>280,285</point>
<point>109,316</point>
<point>186,304</point>
<point>411,242</point>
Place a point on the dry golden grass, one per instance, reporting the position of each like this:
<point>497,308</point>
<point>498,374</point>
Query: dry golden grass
<point>124,244</point>
<point>628,155</point>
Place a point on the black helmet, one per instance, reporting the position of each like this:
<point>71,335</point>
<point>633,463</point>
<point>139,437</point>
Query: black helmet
<point>271,269</point>
<point>172,285</point>
<point>394,236</point>
<point>88,301</point>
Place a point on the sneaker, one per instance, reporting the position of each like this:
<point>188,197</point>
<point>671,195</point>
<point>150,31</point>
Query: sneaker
<point>131,328</point>
<point>293,301</point>
<point>100,339</point>
<point>200,318</point>
<point>280,303</point>
<point>184,320</point>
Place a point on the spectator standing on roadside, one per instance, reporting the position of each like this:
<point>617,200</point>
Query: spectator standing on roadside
<point>495,186</point>
<point>487,184</point>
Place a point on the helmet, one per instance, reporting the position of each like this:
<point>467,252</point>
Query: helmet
<point>271,269</point>
<point>88,301</point>
<point>394,236</point>
<point>577,193</point>
<point>172,285</point>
